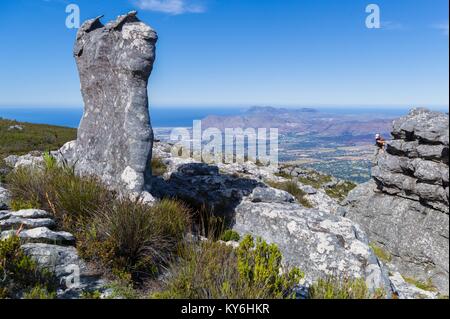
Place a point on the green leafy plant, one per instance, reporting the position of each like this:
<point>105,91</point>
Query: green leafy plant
<point>18,204</point>
<point>21,274</point>
<point>230,235</point>
<point>381,253</point>
<point>135,238</point>
<point>342,288</point>
<point>341,190</point>
<point>424,285</point>
<point>214,270</point>
<point>158,166</point>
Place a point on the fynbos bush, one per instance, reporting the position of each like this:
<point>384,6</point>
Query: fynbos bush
<point>214,270</point>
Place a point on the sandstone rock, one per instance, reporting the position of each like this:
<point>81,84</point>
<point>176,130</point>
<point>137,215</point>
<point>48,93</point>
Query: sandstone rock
<point>42,235</point>
<point>31,213</point>
<point>415,235</point>
<point>72,273</point>
<point>4,214</point>
<point>115,136</point>
<point>408,291</point>
<point>319,243</point>
<point>27,223</point>
<point>265,194</point>
<point>28,160</point>
<point>423,125</point>
<point>4,198</point>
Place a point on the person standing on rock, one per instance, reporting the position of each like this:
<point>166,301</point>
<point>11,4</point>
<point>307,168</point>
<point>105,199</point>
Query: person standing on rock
<point>380,142</point>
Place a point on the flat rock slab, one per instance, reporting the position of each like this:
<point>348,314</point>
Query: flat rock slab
<point>69,269</point>
<point>31,213</point>
<point>4,198</point>
<point>4,214</point>
<point>28,223</point>
<point>42,235</point>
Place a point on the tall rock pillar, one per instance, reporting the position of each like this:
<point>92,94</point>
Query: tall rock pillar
<point>115,136</point>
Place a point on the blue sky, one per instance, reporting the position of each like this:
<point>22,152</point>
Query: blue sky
<point>242,52</point>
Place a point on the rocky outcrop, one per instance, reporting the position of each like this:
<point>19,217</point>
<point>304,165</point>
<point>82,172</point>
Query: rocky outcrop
<point>115,135</point>
<point>405,208</point>
<point>4,198</point>
<point>320,243</point>
<point>317,241</point>
<point>52,250</point>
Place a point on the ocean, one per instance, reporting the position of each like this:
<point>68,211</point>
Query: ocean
<point>70,117</point>
<point>162,116</point>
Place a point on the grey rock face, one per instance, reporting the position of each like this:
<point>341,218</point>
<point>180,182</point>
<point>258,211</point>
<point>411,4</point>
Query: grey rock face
<point>26,223</point>
<point>318,242</point>
<point>72,273</point>
<point>42,235</point>
<point>31,213</point>
<point>115,136</point>
<point>405,209</point>
<point>4,198</point>
<point>52,250</point>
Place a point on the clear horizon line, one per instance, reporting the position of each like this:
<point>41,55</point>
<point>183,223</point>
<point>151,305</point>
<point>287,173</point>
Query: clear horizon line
<point>236,106</point>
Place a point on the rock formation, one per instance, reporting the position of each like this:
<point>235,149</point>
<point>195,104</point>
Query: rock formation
<point>52,250</point>
<point>405,208</point>
<point>317,241</point>
<point>115,135</point>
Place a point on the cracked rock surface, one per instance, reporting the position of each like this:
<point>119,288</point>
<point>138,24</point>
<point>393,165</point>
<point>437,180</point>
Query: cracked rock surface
<point>115,135</point>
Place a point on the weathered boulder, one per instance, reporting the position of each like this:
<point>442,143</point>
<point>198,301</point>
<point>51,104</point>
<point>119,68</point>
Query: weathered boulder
<point>115,135</point>
<point>317,241</point>
<point>73,275</point>
<point>4,198</point>
<point>320,243</point>
<point>405,208</point>
<point>26,223</point>
<point>42,235</point>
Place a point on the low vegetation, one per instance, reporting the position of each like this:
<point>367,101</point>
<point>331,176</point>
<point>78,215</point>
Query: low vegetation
<point>158,167</point>
<point>315,179</point>
<point>20,275</point>
<point>214,270</point>
<point>381,253</point>
<point>424,285</point>
<point>135,238</point>
<point>133,244</point>
<point>341,190</point>
<point>343,288</point>
<point>32,137</point>
<point>292,188</point>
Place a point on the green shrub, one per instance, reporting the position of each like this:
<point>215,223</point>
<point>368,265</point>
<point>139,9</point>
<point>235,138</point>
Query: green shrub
<point>135,238</point>
<point>424,285</point>
<point>230,235</point>
<point>381,253</point>
<point>21,274</point>
<point>340,191</point>
<point>215,271</point>
<point>91,295</point>
<point>158,167</point>
<point>71,198</point>
<point>292,188</point>
<point>18,204</point>
<point>315,179</point>
<point>342,288</point>
<point>39,292</point>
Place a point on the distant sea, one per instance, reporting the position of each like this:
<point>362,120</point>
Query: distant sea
<point>165,116</point>
<point>70,117</point>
